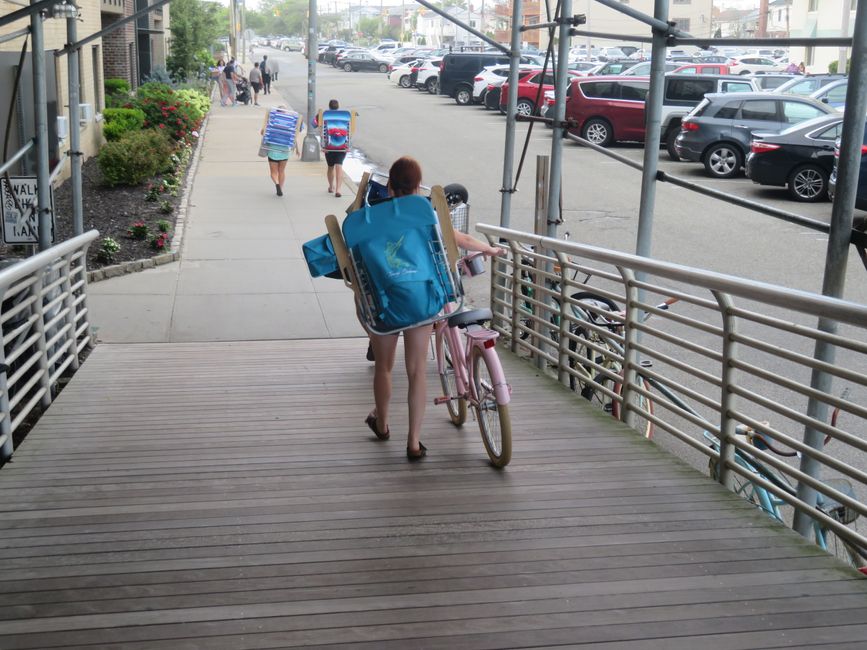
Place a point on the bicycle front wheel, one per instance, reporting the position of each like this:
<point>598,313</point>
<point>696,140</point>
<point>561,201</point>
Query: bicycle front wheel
<point>456,405</point>
<point>642,423</point>
<point>494,421</point>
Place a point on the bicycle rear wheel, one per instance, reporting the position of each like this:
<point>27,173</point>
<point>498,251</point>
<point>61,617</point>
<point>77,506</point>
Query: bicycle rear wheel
<point>494,421</point>
<point>456,405</point>
<point>843,550</point>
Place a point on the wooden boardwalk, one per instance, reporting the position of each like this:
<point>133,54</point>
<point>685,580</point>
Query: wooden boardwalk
<point>229,496</point>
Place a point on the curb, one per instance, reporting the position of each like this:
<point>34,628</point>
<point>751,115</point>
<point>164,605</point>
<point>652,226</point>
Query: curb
<point>134,266</point>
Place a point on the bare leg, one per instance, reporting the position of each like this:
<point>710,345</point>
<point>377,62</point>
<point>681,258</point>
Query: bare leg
<point>330,175</point>
<point>415,343</point>
<point>384,347</point>
<point>281,172</point>
<point>338,178</point>
<point>273,166</point>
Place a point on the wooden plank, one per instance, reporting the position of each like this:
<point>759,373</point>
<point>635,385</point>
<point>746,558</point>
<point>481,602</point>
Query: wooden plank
<point>197,500</point>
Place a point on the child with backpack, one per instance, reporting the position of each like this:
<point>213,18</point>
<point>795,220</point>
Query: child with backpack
<point>404,179</point>
<point>337,128</point>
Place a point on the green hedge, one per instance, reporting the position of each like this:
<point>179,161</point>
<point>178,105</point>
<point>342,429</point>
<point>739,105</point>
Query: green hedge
<point>116,86</point>
<point>121,120</point>
<point>134,157</point>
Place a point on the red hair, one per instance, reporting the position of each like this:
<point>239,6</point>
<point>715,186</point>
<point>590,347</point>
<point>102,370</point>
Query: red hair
<point>404,177</point>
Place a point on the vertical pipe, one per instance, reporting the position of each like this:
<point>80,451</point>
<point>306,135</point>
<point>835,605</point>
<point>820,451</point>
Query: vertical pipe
<point>837,254</point>
<point>540,228</point>
<point>72,61</point>
<point>653,116</point>
<point>727,397</point>
<point>310,149</point>
<point>40,108</point>
<point>631,360</point>
<point>6,422</point>
<point>69,305</point>
<point>511,109</point>
<point>565,321</point>
<point>561,78</point>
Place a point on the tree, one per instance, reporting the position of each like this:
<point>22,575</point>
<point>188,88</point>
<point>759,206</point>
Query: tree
<point>195,27</point>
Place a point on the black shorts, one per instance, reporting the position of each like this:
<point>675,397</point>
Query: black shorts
<point>334,157</point>
<point>256,86</point>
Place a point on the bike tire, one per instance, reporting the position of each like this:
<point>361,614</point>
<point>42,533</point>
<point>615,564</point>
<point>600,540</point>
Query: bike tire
<point>457,406</point>
<point>494,421</point>
<point>643,425</point>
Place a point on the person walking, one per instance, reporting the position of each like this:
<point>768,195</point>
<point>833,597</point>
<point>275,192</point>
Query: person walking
<point>278,155</point>
<point>333,158</point>
<point>275,68</point>
<point>231,80</point>
<point>256,82</point>
<point>404,178</point>
<point>265,69</point>
<point>220,78</point>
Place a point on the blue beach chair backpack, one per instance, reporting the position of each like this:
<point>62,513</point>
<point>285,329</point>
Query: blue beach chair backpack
<point>337,127</point>
<point>397,251</point>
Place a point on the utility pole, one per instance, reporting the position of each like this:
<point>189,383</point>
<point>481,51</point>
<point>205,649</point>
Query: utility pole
<point>74,130</point>
<point>310,149</point>
<point>40,124</point>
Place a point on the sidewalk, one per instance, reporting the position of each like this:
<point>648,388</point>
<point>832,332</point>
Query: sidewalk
<point>241,275</point>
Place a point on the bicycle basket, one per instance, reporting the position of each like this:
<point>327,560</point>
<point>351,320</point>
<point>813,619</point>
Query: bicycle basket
<point>833,508</point>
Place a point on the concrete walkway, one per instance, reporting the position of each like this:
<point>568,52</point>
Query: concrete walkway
<point>241,275</point>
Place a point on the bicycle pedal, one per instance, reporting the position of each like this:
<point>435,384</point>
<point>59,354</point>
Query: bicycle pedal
<point>441,400</point>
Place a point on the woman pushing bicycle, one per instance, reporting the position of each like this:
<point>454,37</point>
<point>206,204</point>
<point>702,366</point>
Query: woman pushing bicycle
<point>404,179</point>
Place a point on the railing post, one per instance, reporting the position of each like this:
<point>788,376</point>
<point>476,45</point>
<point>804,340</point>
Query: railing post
<point>631,357</point>
<point>69,303</point>
<point>727,397</point>
<point>5,411</point>
<point>38,304</point>
<point>565,322</point>
<point>516,290</point>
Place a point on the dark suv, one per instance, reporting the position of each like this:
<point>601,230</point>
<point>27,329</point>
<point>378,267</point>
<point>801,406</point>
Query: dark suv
<point>718,131</point>
<point>458,71</point>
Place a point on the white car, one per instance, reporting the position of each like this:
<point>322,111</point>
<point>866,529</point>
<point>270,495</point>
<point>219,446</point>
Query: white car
<point>753,64</point>
<point>643,69</point>
<point>428,76</point>
<point>487,76</point>
<point>402,74</point>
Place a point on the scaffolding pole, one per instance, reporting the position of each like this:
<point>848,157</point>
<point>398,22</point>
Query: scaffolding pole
<point>75,153</point>
<point>40,124</point>
<point>310,148</point>
<point>508,188</point>
<point>561,79</point>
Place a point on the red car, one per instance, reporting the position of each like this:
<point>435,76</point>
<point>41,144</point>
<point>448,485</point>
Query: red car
<point>703,68</point>
<point>528,91</point>
<point>608,108</point>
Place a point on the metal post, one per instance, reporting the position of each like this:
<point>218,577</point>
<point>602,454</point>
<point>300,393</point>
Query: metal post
<point>727,397</point>
<point>561,79</point>
<point>541,227</point>
<point>310,150</point>
<point>74,128</point>
<point>40,108</point>
<point>838,251</point>
<point>653,117</point>
<point>511,109</point>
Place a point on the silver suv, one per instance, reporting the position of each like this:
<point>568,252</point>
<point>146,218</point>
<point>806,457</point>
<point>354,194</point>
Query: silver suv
<point>718,131</point>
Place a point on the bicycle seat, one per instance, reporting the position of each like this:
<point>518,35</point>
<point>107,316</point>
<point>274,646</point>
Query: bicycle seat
<point>464,318</point>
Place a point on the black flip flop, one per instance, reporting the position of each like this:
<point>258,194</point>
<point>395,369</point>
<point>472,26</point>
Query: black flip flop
<point>413,457</point>
<point>371,422</point>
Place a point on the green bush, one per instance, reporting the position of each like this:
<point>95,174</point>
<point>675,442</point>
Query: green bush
<point>135,157</point>
<point>121,120</point>
<point>116,86</point>
<point>832,67</point>
<point>198,100</point>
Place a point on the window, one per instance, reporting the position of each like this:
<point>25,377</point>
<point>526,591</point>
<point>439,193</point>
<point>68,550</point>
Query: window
<point>98,103</point>
<point>813,5</point>
<point>735,87</point>
<point>836,95</point>
<point>690,70</point>
<point>548,80</point>
<point>600,89</point>
<point>794,112</point>
<point>764,110</point>
<point>830,134</point>
<point>728,111</point>
<point>633,90</point>
<point>682,23</point>
<point>688,90</point>
<point>804,87</point>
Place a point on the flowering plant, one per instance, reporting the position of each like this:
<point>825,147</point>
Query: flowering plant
<point>160,242</point>
<point>138,230</point>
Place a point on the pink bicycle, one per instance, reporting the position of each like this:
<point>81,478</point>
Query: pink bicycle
<point>471,374</point>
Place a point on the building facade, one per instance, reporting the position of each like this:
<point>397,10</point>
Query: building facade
<point>816,19</point>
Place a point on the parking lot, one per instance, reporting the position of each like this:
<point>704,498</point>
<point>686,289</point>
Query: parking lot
<point>600,196</point>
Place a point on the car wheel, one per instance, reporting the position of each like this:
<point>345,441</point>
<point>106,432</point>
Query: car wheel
<point>525,107</point>
<point>743,72</point>
<point>383,67</point>
<point>597,131</point>
<point>808,183</point>
<point>404,81</point>
<point>723,161</point>
<point>463,96</point>
<point>433,86</point>
<point>670,137</point>
<point>348,67</point>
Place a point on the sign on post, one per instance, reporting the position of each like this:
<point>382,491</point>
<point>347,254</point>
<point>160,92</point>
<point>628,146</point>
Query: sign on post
<point>21,226</point>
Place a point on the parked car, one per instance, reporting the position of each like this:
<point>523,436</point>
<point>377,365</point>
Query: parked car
<point>753,64</point>
<point>807,85</point>
<point>612,67</point>
<point>400,75</point>
<point>339,55</point>
<point>712,58</point>
<point>800,157</point>
<point>861,190</point>
<point>833,94</point>
<point>458,70</point>
<point>703,68</point>
<point>528,91</point>
<point>643,69</point>
<point>718,131</point>
<point>769,81</point>
<point>427,76</point>
<point>488,74</point>
<point>355,61</point>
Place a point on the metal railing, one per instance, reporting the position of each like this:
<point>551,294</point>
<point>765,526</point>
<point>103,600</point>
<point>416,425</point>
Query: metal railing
<point>45,324</point>
<point>729,353</point>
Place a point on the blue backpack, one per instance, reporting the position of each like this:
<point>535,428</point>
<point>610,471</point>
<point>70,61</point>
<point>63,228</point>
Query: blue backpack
<point>401,264</point>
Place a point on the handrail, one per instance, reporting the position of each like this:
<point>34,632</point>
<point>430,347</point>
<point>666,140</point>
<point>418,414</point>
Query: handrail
<point>44,325</point>
<point>732,353</point>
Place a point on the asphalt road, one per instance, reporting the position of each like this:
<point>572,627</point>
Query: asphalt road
<point>600,196</point>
